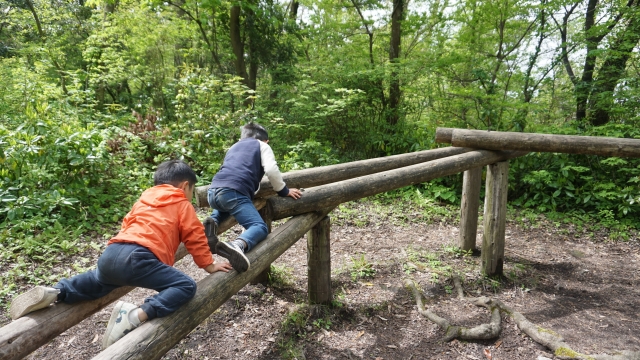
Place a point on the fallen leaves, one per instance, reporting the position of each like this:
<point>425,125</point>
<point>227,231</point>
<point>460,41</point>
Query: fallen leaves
<point>487,354</point>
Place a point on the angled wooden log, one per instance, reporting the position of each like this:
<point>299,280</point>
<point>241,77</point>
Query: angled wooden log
<point>154,338</point>
<point>331,195</point>
<point>22,336</point>
<point>495,214</point>
<point>471,183</point>
<point>332,173</point>
<point>570,144</point>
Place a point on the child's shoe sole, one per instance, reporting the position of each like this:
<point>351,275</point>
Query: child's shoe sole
<point>210,230</point>
<point>119,324</point>
<point>37,298</point>
<point>235,256</point>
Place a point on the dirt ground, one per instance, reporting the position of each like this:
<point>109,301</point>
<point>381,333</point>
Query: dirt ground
<point>577,283</point>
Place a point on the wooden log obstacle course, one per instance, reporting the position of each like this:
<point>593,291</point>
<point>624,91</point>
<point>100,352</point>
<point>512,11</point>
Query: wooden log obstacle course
<point>326,188</point>
<point>493,240</point>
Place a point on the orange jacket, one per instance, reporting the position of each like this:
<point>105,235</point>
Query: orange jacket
<point>160,220</point>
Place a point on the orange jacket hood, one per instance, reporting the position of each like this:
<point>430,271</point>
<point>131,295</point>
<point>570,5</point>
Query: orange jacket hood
<point>162,219</point>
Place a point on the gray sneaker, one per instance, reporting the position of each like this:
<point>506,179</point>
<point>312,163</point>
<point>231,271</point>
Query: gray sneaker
<point>234,252</point>
<point>37,298</point>
<point>211,231</point>
<point>119,324</point>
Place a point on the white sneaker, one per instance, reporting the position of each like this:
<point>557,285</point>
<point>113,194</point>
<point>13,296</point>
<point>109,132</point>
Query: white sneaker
<point>37,298</point>
<point>119,324</point>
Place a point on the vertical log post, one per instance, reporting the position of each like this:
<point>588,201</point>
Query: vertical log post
<point>263,277</point>
<point>319,262</point>
<point>495,213</point>
<point>469,208</point>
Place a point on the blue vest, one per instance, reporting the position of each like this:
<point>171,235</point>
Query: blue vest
<point>241,169</point>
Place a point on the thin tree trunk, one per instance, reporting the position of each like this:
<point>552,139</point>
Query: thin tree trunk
<point>293,10</point>
<point>236,43</point>
<point>583,86</point>
<point>377,83</point>
<point>613,69</point>
<point>394,53</point>
<point>35,17</point>
<point>520,121</point>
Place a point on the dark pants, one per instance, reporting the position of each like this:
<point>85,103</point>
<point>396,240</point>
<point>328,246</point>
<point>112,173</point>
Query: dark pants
<point>124,264</point>
<point>229,202</point>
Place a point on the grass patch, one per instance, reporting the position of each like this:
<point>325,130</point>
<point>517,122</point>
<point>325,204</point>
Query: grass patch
<point>419,259</point>
<point>281,276</point>
<point>361,268</point>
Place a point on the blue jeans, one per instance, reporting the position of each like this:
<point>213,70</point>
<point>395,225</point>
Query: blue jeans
<point>228,202</point>
<point>123,264</point>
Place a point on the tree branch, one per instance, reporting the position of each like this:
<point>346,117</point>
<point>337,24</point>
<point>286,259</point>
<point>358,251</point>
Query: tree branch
<point>542,336</point>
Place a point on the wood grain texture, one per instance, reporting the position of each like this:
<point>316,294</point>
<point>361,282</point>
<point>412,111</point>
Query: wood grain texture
<point>319,262</point>
<point>471,184</point>
<point>495,214</point>
<point>331,195</point>
<point>570,144</point>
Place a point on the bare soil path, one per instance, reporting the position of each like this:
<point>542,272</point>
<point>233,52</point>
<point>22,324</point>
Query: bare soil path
<point>578,284</point>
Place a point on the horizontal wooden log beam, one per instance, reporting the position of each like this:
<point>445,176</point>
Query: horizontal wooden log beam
<point>339,192</point>
<point>327,174</point>
<point>154,338</point>
<point>443,135</point>
<point>23,336</point>
<point>570,144</point>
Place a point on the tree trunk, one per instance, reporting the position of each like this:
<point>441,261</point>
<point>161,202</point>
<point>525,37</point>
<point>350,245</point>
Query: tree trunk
<point>252,53</point>
<point>293,10</point>
<point>35,18</point>
<point>236,43</point>
<point>584,84</point>
<point>520,121</point>
<point>394,53</point>
<point>613,69</point>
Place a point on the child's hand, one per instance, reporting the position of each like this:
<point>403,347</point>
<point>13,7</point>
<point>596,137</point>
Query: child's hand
<point>294,193</point>
<point>218,267</point>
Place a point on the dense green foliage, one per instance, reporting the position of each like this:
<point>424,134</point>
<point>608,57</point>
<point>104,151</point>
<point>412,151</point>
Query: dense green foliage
<point>95,94</point>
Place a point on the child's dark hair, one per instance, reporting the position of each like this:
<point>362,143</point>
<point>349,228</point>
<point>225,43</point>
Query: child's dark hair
<point>174,172</point>
<point>254,130</point>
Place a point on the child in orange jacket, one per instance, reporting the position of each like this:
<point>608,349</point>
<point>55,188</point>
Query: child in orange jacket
<point>141,254</point>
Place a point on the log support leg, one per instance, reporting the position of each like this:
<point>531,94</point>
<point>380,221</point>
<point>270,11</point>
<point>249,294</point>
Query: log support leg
<point>263,277</point>
<point>469,209</point>
<point>319,262</point>
<point>495,213</point>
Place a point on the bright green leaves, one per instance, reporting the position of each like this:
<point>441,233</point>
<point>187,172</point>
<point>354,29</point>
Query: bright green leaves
<point>578,183</point>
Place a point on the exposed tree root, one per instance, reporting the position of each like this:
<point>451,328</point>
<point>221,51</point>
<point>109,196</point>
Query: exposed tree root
<point>543,336</point>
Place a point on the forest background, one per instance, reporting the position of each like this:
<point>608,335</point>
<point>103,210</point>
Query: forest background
<point>94,94</point>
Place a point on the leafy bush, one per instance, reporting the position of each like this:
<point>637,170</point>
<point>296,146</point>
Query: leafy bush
<point>579,183</point>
